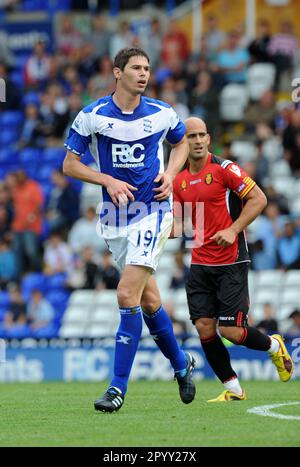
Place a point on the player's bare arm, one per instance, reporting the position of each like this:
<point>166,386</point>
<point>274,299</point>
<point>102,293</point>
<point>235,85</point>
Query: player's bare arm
<point>177,227</point>
<point>118,190</point>
<point>177,159</point>
<point>256,201</point>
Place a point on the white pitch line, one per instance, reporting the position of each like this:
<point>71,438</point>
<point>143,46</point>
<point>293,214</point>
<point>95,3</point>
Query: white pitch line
<point>265,411</point>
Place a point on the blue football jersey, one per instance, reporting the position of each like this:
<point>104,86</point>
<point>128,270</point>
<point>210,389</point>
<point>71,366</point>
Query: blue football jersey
<point>127,146</point>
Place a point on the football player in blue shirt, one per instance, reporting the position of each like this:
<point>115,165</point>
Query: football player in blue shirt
<point>125,133</point>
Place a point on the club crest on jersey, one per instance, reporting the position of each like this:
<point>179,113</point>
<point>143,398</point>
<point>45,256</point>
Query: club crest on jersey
<point>183,185</point>
<point>208,179</point>
<point>147,125</point>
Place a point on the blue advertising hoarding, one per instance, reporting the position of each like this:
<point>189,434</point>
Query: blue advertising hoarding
<point>22,35</point>
<point>96,364</point>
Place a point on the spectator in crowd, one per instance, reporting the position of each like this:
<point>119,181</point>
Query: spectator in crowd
<point>31,134</point>
<point>282,48</point>
<point>294,329</point>
<point>123,37</point>
<point>37,69</point>
<point>27,222</point>
<point>179,325</point>
<point>291,143</point>
<point>99,37</point>
<point>12,93</point>
<point>232,61</point>
<point>69,39</point>
<point>288,247</point>
<point>266,230</point>
<point>58,256</point>
<point>16,315</point>
<point>40,312</point>
<point>63,207</point>
<point>258,48</point>
<point>181,109</point>
<point>215,38</point>
<point>204,101</point>
<point>268,325</point>
<point>109,276</point>
<point>8,264</point>
<point>152,41</point>
<point>83,233</point>
<point>181,272</point>
<point>262,111</point>
<point>85,273</point>
<point>74,105</point>
<point>54,114</point>
<point>6,210</point>
<point>174,44</point>
<point>102,82</point>
<point>261,164</point>
<point>6,55</point>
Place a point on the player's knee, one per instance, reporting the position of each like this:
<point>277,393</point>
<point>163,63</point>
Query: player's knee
<point>205,327</point>
<point>125,296</point>
<point>232,333</point>
<point>150,304</point>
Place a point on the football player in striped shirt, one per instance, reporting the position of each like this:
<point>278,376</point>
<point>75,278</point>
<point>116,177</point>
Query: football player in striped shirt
<point>125,133</point>
<point>224,200</point>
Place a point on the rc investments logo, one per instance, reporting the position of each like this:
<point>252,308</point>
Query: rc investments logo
<point>2,90</point>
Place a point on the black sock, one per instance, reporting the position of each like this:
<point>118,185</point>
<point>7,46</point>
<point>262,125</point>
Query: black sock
<point>218,357</point>
<point>255,340</point>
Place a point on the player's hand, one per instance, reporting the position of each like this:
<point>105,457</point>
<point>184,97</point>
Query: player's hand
<point>165,188</point>
<point>224,237</point>
<point>119,191</point>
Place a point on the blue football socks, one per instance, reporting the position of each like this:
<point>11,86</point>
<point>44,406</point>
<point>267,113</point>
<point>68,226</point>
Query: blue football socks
<point>127,339</point>
<point>161,329</point>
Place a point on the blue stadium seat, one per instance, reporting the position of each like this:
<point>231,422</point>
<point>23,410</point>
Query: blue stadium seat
<point>17,78</point>
<point>8,157</point>
<point>34,5</point>
<point>44,174</point>
<point>30,169</point>
<point>21,60</point>
<point>20,331</point>
<point>54,156</point>
<point>59,5</point>
<point>57,281</point>
<point>8,136</point>
<point>33,280</point>
<point>30,155</point>
<point>47,189</point>
<point>31,97</point>
<point>3,310</point>
<point>5,169</point>
<point>4,299</point>
<point>46,332</point>
<point>11,118</point>
<point>58,298</point>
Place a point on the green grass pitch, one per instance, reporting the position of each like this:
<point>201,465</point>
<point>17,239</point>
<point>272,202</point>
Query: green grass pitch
<point>62,414</point>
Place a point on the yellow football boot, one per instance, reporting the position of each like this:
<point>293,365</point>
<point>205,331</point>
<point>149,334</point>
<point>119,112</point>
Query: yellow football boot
<point>282,360</point>
<point>228,396</point>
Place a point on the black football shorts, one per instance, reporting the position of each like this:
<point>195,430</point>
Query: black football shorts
<point>219,292</point>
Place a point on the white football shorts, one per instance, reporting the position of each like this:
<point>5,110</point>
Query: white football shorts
<point>139,243</point>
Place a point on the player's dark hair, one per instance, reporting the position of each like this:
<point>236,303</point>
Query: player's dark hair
<point>123,56</point>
